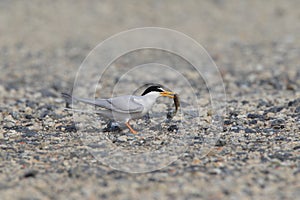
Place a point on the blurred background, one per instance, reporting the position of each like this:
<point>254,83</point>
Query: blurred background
<point>57,35</point>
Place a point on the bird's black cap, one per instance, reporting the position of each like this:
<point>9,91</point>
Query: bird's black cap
<point>153,88</point>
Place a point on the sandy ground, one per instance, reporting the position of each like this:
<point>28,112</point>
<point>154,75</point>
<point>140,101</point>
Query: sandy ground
<point>256,46</point>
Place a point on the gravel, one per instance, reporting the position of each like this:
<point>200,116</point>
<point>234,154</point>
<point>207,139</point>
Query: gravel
<point>257,153</point>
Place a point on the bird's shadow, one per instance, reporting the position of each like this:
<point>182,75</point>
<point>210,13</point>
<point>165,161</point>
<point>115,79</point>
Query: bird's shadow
<point>115,127</point>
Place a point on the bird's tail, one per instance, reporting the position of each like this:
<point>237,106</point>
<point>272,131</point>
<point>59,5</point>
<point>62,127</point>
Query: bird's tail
<point>69,98</point>
<point>83,111</point>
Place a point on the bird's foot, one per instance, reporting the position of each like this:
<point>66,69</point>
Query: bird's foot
<point>131,129</point>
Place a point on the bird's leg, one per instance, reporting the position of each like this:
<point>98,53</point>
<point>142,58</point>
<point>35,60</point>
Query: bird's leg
<point>130,128</point>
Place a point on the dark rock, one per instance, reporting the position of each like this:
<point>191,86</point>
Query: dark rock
<point>44,114</point>
<point>48,107</point>
<point>30,104</point>
<point>220,143</point>
<point>233,101</point>
<point>112,127</point>
<point>11,86</point>
<point>278,124</point>
<point>147,118</point>
<point>29,134</point>
<point>26,132</point>
<point>29,117</point>
<point>243,83</point>
<point>68,128</point>
<point>254,121</point>
<point>274,109</point>
<point>30,174</point>
<point>263,103</point>
<point>227,122</point>
<point>173,128</point>
<point>268,131</point>
<point>249,130</point>
<point>297,110</point>
<point>233,114</point>
<point>294,103</point>
<point>280,138</point>
<point>245,102</point>
<point>254,116</point>
<point>296,147</point>
<point>282,156</point>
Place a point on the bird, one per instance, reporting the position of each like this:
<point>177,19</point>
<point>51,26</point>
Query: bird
<point>128,107</point>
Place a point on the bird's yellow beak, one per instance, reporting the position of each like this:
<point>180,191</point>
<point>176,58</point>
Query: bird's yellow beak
<point>167,94</point>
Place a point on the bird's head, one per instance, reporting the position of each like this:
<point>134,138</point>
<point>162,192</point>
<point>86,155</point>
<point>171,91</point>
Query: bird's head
<point>159,91</point>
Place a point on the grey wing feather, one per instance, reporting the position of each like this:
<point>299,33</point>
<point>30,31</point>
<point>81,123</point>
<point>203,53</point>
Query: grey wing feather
<point>123,104</point>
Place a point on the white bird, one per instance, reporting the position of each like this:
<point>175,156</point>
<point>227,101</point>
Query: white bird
<point>124,108</point>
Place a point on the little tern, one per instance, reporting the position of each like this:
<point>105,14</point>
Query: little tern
<point>125,108</point>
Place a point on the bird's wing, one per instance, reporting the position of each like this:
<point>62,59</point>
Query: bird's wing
<point>122,104</point>
<point>125,104</point>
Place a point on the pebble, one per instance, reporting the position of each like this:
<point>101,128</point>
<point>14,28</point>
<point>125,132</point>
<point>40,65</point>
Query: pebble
<point>1,134</point>
<point>274,109</point>
<point>28,110</point>
<point>278,123</point>
<point>249,130</point>
<point>255,116</point>
<point>122,138</point>
<point>30,174</point>
<point>173,128</point>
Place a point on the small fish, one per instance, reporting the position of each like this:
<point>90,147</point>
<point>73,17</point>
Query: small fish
<point>176,103</point>
<point>171,114</point>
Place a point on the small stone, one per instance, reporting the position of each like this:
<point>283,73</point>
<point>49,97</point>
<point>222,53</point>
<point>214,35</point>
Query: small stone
<point>235,129</point>
<point>254,121</point>
<point>9,125</point>
<point>30,104</point>
<point>296,148</point>
<point>157,142</point>
<point>215,171</point>
<point>227,122</point>
<point>294,103</point>
<point>254,116</point>
<point>9,118</point>
<point>270,115</point>
<point>30,174</point>
<point>274,109</point>
<point>122,138</point>
<point>196,161</point>
<point>1,134</point>
<point>44,114</point>
<point>249,130</point>
<point>244,102</point>
<point>15,115</point>
<point>220,143</point>
<point>28,110</point>
<point>173,128</point>
<point>278,123</point>
<point>29,133</point>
